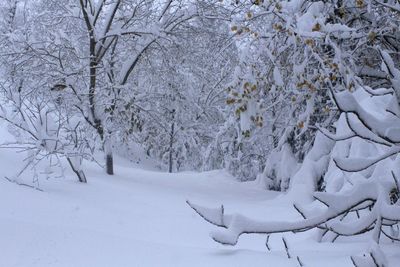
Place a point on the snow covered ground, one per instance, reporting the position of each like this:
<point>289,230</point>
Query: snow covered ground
<point>139,218</point>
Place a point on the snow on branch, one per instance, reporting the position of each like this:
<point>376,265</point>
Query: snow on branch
<point>214,216</point>
<point>362,163</point>
<point>335,137</point>
<point>385,129</point>
<point>395,7</point>
<point>233,226</point>
<point>363,132</point>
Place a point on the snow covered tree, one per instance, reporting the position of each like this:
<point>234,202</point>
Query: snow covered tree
<point>183,97</point>
<point>352,54</point>
<point>279,93</point>
<point>90,50</point>
<point>40,127</point>
<point>141,24</point>
<point>120,67</point>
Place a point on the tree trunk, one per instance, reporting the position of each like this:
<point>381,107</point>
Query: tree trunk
<point>75,165</point>
<point>171,143</point>
<point>109,164</point>
<point>94,120</point>
<point>109,156</point>
<point>275,137</point>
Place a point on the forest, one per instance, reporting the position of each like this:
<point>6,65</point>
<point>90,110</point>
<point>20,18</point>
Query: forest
<point>200,133</point>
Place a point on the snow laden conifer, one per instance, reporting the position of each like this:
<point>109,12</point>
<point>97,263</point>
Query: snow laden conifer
<point>348,183</point>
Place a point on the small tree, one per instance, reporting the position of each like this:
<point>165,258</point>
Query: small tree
<point>41,127</point>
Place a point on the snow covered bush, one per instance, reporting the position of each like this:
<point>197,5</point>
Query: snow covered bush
<point>362,182</point>
<point>348,183</point>
<point>279,92</point>
<point>41,123</point>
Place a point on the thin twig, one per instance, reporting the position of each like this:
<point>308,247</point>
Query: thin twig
<point>22,184</point>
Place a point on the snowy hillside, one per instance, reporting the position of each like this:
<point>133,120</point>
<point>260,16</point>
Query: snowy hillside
<point>140,218</point>
<point>199,133</point>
